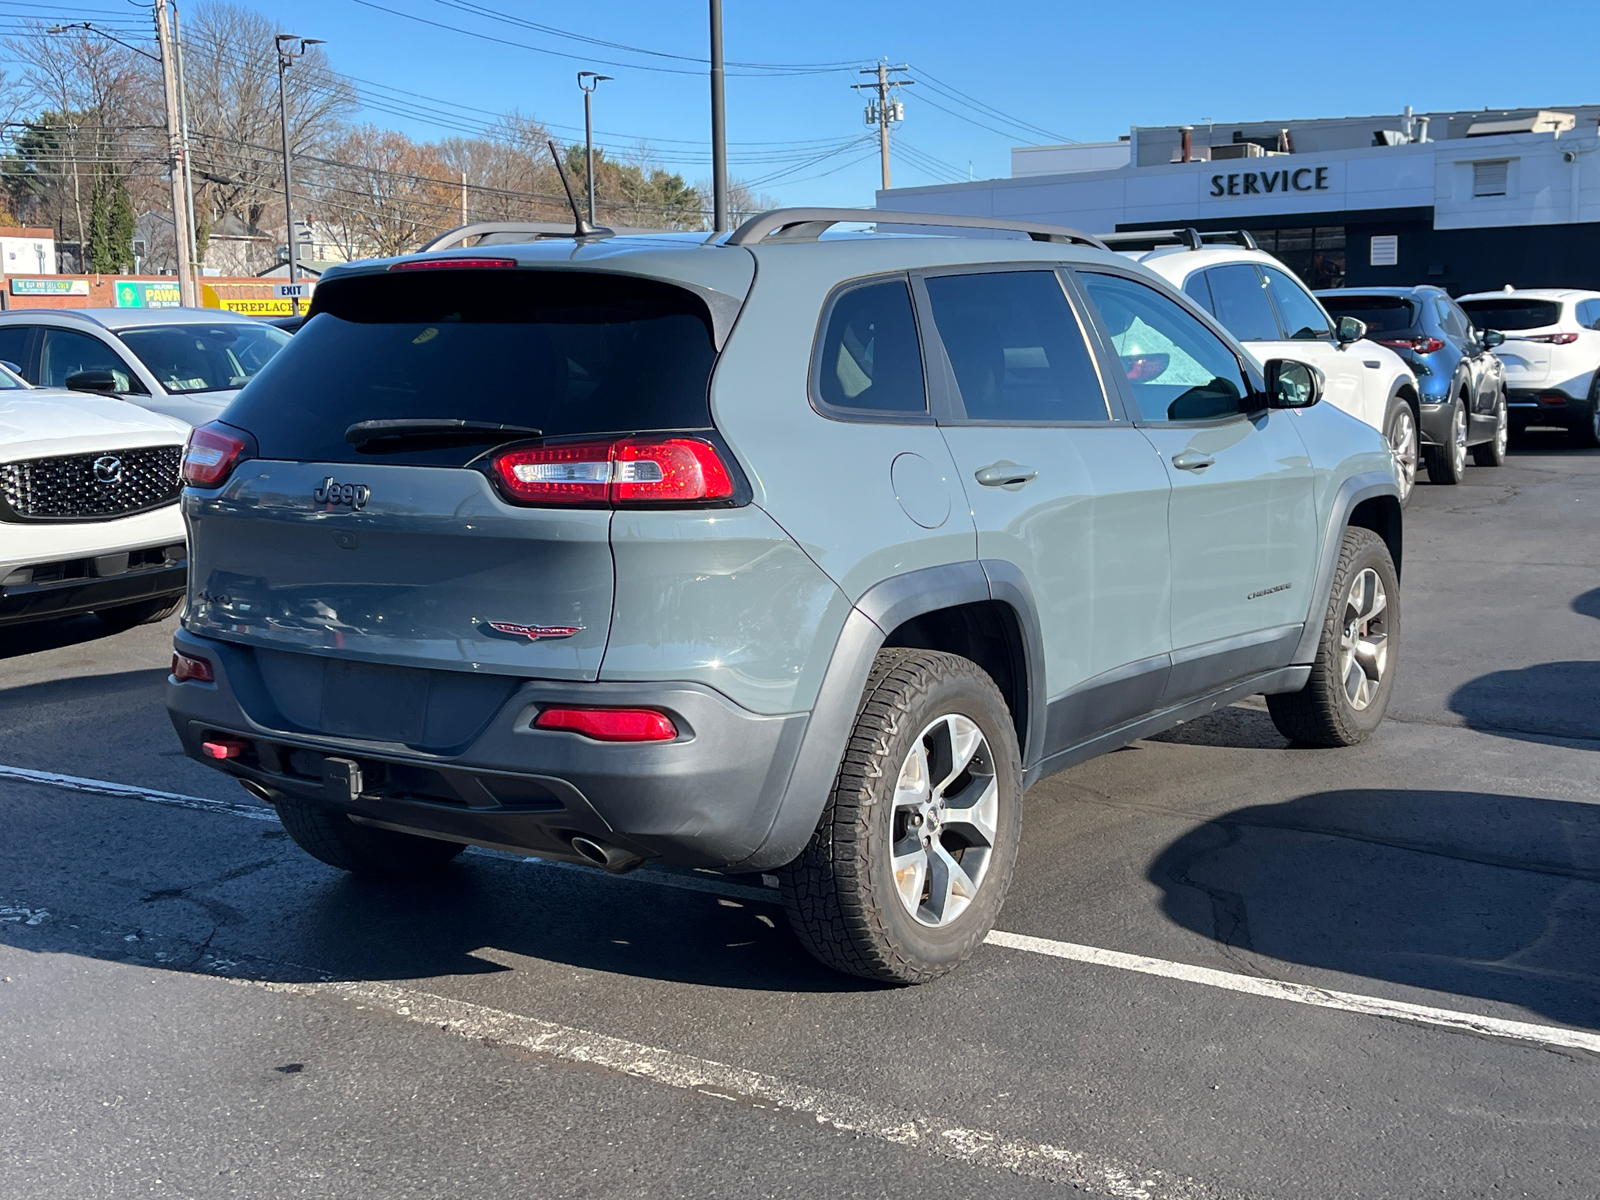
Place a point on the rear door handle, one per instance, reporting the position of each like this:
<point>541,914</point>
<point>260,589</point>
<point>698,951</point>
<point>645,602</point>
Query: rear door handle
<point>1005,474</point>
<point>1192,460</point>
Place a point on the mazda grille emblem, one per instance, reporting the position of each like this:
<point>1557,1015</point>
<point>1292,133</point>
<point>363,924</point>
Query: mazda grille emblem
<point>108,468</point>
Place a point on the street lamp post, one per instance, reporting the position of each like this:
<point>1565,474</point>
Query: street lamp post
<point>719,133</point>
<point>588,81</point>
<point>290,48</point>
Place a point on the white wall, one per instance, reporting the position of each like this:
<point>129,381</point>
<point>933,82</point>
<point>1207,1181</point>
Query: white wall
<point>1059,160</point>
<point>28,255</point>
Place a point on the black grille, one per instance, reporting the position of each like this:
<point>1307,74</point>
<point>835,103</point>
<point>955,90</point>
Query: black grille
<point>88,487</point>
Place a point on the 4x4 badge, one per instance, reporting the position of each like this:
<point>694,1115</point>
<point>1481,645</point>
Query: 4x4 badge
<point>535,633</point>
<point>355,495</point>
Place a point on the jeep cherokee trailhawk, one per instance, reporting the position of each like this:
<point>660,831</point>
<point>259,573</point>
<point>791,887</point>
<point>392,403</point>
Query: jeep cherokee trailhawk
<point>771,552</point>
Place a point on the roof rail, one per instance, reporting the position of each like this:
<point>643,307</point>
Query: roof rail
<point>807,224</point>
<point>508,233</point>
<point>1189,238</point>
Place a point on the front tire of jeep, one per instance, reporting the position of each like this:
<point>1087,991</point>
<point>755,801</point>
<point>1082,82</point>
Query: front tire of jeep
<point>1353,672</point>
<point>910,863</point>
<point>360,849</point>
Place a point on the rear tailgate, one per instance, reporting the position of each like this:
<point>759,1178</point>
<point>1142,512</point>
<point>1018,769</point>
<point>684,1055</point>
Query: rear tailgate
<point>1522,319</point>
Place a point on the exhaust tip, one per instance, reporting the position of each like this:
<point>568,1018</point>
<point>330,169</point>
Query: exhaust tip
<point>607,858</point>
<point>256,790</point>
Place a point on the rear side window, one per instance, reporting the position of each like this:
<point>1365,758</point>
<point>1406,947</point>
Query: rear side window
<point>871,361</point>
<point>1380,314</point>
<point>1016,347</point>
<point>1303,318</point>
<point>1240,303</point>
<point>563,352</point>
<point>1197,289</point>
<point>1512,313</point>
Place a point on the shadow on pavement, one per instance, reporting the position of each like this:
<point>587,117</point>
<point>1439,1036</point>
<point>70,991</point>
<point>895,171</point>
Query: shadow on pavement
<point>1469,893</point>
<point>1548,700</point>
<point>1588,604</point>
<point>18,640</point>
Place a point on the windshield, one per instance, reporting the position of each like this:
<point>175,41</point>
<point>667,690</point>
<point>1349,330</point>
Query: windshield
<point>8,381</point>
<point>568,353</point>
<point>205,358</point>
<point>1512,313</point>
<point>1380,314</point>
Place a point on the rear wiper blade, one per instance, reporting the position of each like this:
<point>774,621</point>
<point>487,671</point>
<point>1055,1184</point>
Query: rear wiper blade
<point>435,429</point>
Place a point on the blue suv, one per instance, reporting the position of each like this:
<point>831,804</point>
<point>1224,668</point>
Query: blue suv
<point>773,552</point>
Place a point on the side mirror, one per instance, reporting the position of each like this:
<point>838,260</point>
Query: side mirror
<point>104,382</point>
<point>1493,338</point>
<point>1292,384</point>
<point>1350,330</point>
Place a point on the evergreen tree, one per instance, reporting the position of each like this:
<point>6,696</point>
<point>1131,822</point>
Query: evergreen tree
<point>100,254</point>
<point>122,229</point>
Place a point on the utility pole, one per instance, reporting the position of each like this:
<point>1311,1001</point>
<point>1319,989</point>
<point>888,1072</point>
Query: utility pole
<point>588,81</point>
<point>183,120</point>
<point>463,197</point>
<point>719,128</point>
<point>180,218</point>
<point>884,111</point>
<point>290,48</point>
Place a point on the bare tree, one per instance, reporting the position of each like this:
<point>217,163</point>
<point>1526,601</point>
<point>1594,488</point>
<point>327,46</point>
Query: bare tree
<point>392,194</point>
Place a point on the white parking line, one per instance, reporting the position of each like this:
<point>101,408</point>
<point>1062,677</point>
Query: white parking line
<point>1373,1006</point>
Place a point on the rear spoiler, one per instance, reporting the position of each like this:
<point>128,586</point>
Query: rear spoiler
<point>1189,238</point>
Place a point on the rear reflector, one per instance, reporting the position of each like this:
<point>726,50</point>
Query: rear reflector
<point>186,669</point>
<point>632,471</point>
<point>212,453</point>
<point>451,264</point>
<point>610,724</point>
<point>223,748</point>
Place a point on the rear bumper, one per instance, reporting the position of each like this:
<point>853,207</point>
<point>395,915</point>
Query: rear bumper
<point>82,588</point>
<point>706,799</point>
<point>1546,405</point>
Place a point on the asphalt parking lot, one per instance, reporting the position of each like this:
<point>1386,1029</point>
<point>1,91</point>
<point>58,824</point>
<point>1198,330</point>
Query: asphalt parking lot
<point>1398,943</point>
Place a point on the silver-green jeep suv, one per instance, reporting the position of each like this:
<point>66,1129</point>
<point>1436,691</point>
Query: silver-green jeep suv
<point>772,552</point>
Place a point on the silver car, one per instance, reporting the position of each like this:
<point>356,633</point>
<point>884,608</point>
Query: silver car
<point>186,363</point>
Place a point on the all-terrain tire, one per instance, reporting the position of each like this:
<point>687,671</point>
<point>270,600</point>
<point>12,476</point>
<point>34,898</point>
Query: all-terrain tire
<point>1323,713</point>
<point>1448,463</point>
<point>145,612</point>
<point>1493,452</point>
<point>841,894</point>
<point>360,849</point>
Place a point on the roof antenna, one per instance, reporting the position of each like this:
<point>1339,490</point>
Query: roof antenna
<point>582,228</point>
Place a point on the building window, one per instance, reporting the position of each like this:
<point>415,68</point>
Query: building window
<point>1316,254</point>
<point>1489,178</point>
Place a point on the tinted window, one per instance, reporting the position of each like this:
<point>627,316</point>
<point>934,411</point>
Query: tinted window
<point>1380,314</point>
<point>204,358</point>
<point>1198,290</point>
<point>1016,348</point>
<point>1240,303</point>
<point>1512,313</point>
<point>1453,320</point>
<point>1589,314</point>
<point>1303,318</point>
<point>14,344</point>
<point>67,352</point>
<point>565,352</point>
<point>1177,369</point>
<point>870,355</point>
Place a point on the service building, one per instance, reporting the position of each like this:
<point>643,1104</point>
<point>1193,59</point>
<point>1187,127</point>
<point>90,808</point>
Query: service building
<point>1465,200</point>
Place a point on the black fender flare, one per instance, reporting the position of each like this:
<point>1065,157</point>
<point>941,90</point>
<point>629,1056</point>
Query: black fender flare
<point>1352,492</point>
<point>874,616</point>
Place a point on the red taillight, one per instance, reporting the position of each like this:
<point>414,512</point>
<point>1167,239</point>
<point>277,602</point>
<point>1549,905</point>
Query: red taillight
<point>610,724</point>
<point>185,669</point>
<point>1419,345</point>
<point>627,472</point>
<point>451,264</point>
<point>1552,339</point>
<point>213,451</point>
<point>223,748</point>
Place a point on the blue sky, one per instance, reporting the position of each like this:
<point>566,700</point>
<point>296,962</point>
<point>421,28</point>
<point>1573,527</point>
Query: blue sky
<point>1070,71</point>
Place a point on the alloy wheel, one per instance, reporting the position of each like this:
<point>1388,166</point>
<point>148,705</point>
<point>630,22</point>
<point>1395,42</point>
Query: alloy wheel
<point>1364,639</point>
<point>946,809</point>
<point>1403,446</point>
<point>1502,429</point>
<point>1458,440</point>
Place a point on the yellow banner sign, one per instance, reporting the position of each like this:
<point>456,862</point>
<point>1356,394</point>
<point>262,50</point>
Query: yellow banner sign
<point>264,307</point>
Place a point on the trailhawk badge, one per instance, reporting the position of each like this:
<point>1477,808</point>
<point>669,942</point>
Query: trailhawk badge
<point>535,633</point>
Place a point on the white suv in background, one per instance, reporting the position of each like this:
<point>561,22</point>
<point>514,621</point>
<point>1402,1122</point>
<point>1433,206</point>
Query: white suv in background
<point>1551,350</point>
<point>89,518</point>
<point>1260,302</point>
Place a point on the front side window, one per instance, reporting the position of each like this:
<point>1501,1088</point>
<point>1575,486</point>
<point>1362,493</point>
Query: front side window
<point>871,359</point>
<point>1016,348</point>
<point>1177,369</point>
<point>1303,318</point>
<point>205,358</point>
<point>1239,299</point>
<point>14,345</point>
<point>1197,289</point>
<point>67,353</point>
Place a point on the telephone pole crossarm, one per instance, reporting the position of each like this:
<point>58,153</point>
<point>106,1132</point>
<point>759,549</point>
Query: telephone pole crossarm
<point>883,112</point>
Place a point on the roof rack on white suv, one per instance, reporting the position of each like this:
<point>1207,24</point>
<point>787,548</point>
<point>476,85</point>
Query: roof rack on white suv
<point>807,224</point>
<point>1189,238</point>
